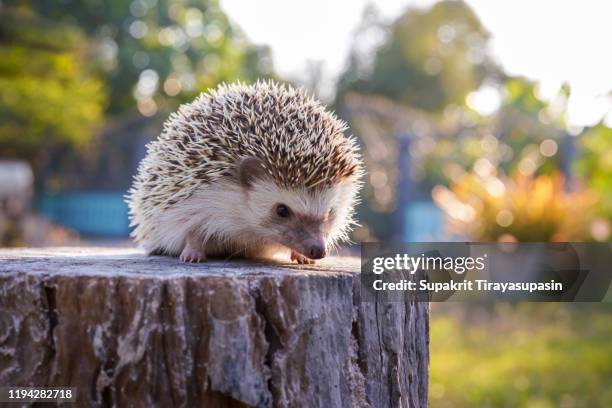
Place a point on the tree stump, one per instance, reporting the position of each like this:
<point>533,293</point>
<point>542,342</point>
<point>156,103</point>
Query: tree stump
<point>130,330</point>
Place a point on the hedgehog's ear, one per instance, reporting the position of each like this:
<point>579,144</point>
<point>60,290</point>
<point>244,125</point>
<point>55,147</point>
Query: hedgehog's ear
<point>249,170</point>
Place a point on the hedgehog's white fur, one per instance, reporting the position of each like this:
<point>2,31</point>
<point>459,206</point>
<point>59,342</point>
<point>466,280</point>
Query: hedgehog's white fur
<point>187,184</point>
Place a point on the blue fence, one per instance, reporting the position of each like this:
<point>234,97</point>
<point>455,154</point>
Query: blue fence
<point>106,215</point>
<point>424,222</point>
<point>89,213</point>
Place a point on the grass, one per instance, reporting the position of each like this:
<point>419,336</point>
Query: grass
<point>536,355</point>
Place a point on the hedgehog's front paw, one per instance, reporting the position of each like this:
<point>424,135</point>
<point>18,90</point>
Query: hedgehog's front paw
<point>191,254</point>
<point>301,259</point>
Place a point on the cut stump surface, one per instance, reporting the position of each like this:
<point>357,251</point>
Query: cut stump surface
<point>126,329</point>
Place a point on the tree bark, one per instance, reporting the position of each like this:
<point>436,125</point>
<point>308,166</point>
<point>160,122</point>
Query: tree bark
<point>130,330</point>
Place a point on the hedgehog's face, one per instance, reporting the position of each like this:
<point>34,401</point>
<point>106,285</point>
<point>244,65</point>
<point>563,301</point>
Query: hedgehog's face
<point>307,222</point>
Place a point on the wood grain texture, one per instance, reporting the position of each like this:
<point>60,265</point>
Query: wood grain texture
<point>132,330</point>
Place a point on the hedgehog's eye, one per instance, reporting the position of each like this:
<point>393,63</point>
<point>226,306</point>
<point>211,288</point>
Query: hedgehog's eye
<point>283,211</point>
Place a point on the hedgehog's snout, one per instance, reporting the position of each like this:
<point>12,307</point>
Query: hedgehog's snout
<point>315,249</point>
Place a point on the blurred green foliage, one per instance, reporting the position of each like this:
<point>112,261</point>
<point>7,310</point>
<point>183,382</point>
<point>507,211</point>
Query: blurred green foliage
<point>48,94</point>
<point>429,59</point>
<point>426,61</point>
<point>595,164</point>
<point>537,355</point>
<point>430,80</point>
<point>511,182</point>
<point>188,46</point>
<point>72,67</point>
<point>510,141</point>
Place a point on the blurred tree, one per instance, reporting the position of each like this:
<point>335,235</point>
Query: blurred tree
<point>123,63</point>
<point>428,60</point>
<point>49,97</point>
<point>156,54</point>
<point>424,91</point>
<point>526,135</point>
<point>595,165</point>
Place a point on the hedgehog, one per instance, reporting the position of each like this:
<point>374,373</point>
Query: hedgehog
<point>250,171</point>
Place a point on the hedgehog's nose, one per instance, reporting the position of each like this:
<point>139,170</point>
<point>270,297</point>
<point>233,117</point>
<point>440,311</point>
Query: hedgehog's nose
<point>316,251</point>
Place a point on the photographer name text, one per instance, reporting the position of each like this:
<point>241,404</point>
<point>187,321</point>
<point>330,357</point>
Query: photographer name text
<point>468,286</point>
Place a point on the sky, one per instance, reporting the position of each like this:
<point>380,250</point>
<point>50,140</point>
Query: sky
<point>549,42</point>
